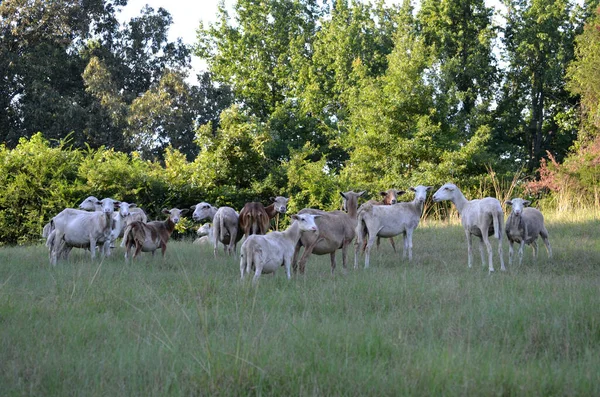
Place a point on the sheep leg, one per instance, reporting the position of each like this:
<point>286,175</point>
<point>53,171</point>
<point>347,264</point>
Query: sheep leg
<point>408,243</point>
<point>378,238</point>
<point>488,245</point>
<point>287,262</point>
<point>521,249</point>
<point>511,252</point>
<point>295,257</point>
<point>332,257</point>
<point>500,253</point>
<point>544,234</point>
<point>535,249</point>
<point>393,244</point>
<point>368,249</point>
<point>242,264</point>
<point>469,249</point>
<point>307,251</point>
<point>93,247</point>
<point>357,247</point>
<point>481,252</point>
<point>232,237</point>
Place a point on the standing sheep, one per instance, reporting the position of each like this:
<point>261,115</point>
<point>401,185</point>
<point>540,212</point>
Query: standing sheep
<point>266,253</point>
<point>523,226</point>
<point>388,221</point>
<point>481,217</point>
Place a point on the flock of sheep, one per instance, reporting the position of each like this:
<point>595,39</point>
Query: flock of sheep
<point>101,222</point>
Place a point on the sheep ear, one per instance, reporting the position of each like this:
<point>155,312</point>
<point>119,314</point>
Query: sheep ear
<point>413,189</point>
<point>193,207</point>
<point>132,205</point>
<point>361,193</point>
<point>165,211</point>
<point>343,195</point>
<point>508,202</point>
<point>428,188</point>
<point>400,192</point>
<point>383,193</point>
<point>316,216</point>
<point>272,199</point>
<point>526,203</point>
<point>184,211</point>
<point>295,217</point>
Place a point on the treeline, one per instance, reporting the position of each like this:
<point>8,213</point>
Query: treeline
<point>302,98</point>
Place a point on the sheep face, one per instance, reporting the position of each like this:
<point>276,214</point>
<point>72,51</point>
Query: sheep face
<point>175,214</point>
<point>89,204</point>
<point>280,204</point>
<point>446,192</point>
<point>204,230</point>
<point>108,205</point>
<point>202,211</point>
<point>420,193</point>
<point>518,204</point>
<point>306,222</point>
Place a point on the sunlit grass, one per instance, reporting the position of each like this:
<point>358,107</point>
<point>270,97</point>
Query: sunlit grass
<point>190,326</point>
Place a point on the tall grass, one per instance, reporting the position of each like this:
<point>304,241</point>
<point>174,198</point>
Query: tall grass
<point>189,326</point>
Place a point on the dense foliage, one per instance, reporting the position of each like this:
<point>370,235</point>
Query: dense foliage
<point>301,97</point>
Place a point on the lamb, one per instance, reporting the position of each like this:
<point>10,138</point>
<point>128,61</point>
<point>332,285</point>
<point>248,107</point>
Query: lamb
<point>480,217</point>
<point>388,221</point>
<point>119,220</point>
<point>266,253</point>
<point>148,237</point>
<point>205,234</point>
<point>225,225</point>
<point>523,226</point>
<point>337,229</point>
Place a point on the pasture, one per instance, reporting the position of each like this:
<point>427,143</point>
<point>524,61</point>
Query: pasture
<point>190,327</point>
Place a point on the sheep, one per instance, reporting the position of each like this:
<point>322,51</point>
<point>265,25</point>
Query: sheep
<point>225,225</point>
<point>205,234</point>
<point>148,237</point>
<point>278,206</point>
<point>81,229</point>
<point>388,221</point>
<point>389,197</point>
<point>480,217</point>
<point>337,229</point>
<point>523,226</point>
<point>266,253</point>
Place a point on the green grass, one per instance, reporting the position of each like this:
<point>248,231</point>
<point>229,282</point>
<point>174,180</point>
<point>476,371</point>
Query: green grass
<point>190,327</point>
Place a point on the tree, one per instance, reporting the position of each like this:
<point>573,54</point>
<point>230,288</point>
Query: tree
<point>538,38</point>
<point>583,78</point>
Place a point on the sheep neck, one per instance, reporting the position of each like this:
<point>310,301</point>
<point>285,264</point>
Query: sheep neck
<point>270,209</point>
<point>460,201</point>
<point>292,232</point>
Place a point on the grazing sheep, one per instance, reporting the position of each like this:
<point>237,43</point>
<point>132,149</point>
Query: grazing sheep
<point>388,221</point>
<point>205,234</point>
<point>337,229</point>
<point>266,253</point>
<point>480,217</point>
<point>148,237</point>
<point>523,226</point>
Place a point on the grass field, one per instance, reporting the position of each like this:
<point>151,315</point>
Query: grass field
<point>190,327</point>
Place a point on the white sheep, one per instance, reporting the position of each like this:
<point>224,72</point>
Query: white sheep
<point>523,226</point>
<point>481,217</point>
<point>389,221</point>
<point>268,252</point>
<point>205,234</point>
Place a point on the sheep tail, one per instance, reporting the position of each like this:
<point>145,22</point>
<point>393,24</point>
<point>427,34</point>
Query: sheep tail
<point>498,218</point>
<point>222,231</point>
